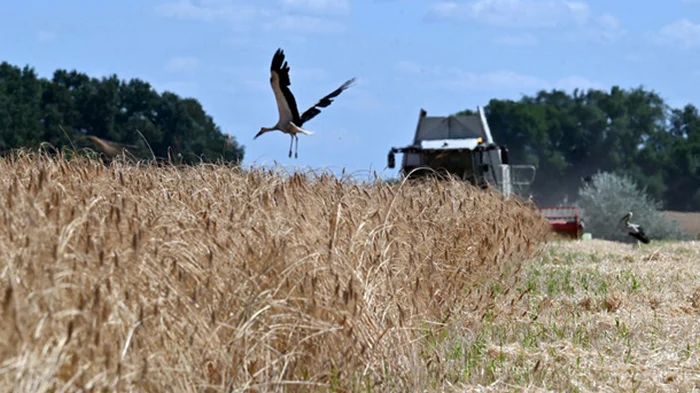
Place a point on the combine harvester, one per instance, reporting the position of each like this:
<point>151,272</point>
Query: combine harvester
<point>464,147</point>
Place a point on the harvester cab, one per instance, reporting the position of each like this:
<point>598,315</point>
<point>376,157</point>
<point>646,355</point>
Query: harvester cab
<point>461,146</point>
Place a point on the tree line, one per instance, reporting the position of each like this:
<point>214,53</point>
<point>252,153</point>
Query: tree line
<point>74,110</point>
<point>569,137</point>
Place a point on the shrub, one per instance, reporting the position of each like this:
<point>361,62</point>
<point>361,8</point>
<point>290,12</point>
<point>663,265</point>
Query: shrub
<point>608,197</point>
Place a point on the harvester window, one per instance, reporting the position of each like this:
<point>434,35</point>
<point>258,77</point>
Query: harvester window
<point>456,162</point>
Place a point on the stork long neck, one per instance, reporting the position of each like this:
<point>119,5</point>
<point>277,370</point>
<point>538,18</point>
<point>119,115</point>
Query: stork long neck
<point>264,130</point>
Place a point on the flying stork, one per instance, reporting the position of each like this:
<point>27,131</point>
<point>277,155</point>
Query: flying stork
<point>290,122</point>
<point>634,230</point>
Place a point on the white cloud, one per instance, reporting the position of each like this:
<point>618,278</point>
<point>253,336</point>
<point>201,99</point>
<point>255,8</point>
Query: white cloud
<point>320,5</point>
<point>239,40</point>
<point>257,78</point>
<point>210,10</point>
<point>604,28</point>
<point>607,28</point>
<point>451,78</point>
<point>608,21</point>
<point>184,9</point>
<point>515,13</point>
<point>682,33</point>
<point>44,36</point>
<point>455,78</point>
<point>577,82</point>
<point>179,87</point>
<point>177,64</point>
<point>304,24</point>
<point>409,67</point>
<point>247,17</point>
<point>363,99</point>
<point>498,80</point>
<point>637,58</point>
<point>575,18</point>
<point>517,40</point>
<point>310,74</point>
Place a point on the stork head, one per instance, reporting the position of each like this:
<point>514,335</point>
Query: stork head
<point>626,217</point>
<point>262,131</point>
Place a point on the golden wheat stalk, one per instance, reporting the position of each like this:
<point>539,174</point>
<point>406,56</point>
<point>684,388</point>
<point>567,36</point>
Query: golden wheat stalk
<point>210,279</point>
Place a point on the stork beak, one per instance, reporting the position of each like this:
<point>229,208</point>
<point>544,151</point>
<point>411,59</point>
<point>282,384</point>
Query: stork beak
<point>258,134</point>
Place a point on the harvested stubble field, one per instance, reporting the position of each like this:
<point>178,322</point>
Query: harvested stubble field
<point>689,221</point>
<point>208,279</point>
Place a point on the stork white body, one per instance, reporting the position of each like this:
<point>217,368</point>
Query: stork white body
<point>289,121</point>
<point>634,230</point>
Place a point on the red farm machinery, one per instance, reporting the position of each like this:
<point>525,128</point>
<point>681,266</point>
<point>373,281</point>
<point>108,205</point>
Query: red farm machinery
<point>565,220</point>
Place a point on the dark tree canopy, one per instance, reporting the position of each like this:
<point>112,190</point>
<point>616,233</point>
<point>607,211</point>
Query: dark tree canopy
<point>34,110</point>
<point>629,132</point>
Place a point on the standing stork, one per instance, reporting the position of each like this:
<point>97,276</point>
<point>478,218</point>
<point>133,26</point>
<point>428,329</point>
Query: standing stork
<point>289,120</point>
<point>634,230</point>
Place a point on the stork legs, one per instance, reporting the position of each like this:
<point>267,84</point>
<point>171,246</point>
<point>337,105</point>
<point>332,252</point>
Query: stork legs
<point>296,152</point>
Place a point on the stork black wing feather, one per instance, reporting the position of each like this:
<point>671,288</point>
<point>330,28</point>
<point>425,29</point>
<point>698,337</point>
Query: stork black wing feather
<point>279,65</point>
<point>281,68</point>
<point>640,235</point>
<point>324,102</point>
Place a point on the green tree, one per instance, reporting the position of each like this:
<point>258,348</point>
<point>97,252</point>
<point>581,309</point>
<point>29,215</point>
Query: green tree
<point>683,170</point>
<point>20,106</point>
<point>627,132</point>
<point>73,105</point>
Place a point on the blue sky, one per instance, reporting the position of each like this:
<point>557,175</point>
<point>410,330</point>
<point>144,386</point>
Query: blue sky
<point>443,56</point>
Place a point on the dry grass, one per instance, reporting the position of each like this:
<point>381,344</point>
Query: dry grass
<point>210,279</point>
<point>598,316</point>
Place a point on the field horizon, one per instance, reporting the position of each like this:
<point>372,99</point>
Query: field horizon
<point>689,221</point>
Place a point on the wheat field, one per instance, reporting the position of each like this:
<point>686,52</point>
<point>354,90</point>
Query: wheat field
<point>152,278</point>
<point>214,279</point>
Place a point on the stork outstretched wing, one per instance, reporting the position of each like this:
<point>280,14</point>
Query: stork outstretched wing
<point>323,102</point>
<point>279,80</point>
